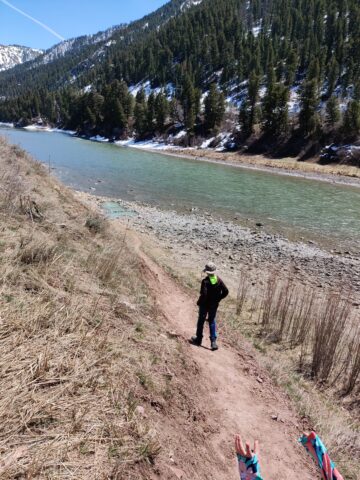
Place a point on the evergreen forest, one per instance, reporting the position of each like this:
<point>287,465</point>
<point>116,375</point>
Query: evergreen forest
<point>231,65</point>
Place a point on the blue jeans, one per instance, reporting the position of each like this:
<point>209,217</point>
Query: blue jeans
<point>210,313</point>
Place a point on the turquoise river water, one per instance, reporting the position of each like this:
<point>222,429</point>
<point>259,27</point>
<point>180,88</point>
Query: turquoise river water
<point>289,205</point>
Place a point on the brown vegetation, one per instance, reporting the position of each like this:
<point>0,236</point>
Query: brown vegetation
<point>85,371</point>
<point>313,338</point>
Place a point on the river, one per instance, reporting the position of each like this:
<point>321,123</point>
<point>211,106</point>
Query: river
<point>296,207</point>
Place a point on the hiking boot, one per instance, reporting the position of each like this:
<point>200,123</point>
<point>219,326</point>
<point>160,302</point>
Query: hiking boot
<point>195,341</point>
<point>214,345</point>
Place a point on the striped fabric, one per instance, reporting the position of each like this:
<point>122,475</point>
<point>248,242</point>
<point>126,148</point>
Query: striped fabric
<point>318,451</point>
<point>249,468</point>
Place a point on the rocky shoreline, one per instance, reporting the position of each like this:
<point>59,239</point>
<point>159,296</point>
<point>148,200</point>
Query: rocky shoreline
<point>193,238</point>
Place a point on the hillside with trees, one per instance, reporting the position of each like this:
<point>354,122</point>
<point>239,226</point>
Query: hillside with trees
<point>279,76</point>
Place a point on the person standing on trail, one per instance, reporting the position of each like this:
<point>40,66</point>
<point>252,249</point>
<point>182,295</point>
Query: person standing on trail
<point>212,291</point>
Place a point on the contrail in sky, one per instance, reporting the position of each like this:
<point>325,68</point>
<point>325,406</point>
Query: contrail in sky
<point>5,2</point>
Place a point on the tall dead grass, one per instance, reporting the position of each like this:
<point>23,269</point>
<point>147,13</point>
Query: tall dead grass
<point>71,303</point>
<point>323,326</point>
<point>310,339</point>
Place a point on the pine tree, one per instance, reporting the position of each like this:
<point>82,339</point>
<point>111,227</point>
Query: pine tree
<point>119,118</point>
<point>351,124</point>
<point>291,68</point>
<point>332,112</point>
<point>308,117</point>
<point>140,115</point>
<point>244,118</point>
<point>150,115</point>
<point>248,110</point>
<point>161,111</point>
<point>189,103</point>
<point>214,109</point>
<point>332,76</point>
<point>275,110</point>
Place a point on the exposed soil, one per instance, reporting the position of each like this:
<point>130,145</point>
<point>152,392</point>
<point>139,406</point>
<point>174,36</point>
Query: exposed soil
<point>240,396</point>
<point>98,377</point>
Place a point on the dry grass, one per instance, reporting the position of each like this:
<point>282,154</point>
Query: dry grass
<point>310,343</point>
<point>283,345</point>
<point>82,360</point>
<point>323,326</point>
<point>289,164</point>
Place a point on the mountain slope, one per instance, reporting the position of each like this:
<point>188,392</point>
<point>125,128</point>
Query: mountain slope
<point>12,55</point>
<point>69,61</point>
<point>229,38</point>
<point>284,72</point>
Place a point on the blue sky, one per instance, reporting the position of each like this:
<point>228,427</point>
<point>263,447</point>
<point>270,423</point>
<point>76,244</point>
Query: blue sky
<point>67,18</point>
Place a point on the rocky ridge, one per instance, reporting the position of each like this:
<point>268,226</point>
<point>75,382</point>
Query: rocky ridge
<point>12,55</point>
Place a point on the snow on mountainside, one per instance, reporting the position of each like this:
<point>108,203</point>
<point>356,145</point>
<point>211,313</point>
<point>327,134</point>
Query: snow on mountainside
<point>12,55</point>
<point>59,50</point>
<point>189,3</point>
<point>83,53</point>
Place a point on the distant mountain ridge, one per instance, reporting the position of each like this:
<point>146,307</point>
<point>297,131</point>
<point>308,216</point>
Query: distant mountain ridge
<point>75,44</point>
<point>66,62</point>
<point>12,55</point>
<point>250,69</point>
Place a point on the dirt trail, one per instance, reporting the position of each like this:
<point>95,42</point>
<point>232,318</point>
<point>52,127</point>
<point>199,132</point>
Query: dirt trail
<point>241,397</point>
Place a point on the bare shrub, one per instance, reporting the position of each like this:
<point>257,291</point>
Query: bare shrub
<point>354,362</point>
<point>283,311</point>
<point>300,327</point>
<point>96,224</point>
<point>331,317</point>
<point>11,187</point>
<point>268,301</point>
<point>29,207</point>
<point>36,251</point>
<point>242,292</point>
<point>320,326</point>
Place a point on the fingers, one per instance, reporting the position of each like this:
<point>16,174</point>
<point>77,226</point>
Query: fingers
<point>246,452</point>
<point>239,446</point>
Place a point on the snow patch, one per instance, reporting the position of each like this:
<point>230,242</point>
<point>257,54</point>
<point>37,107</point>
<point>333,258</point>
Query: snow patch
<point>99,138</point>
<point>13,55</point>
<point>169,89</point>
<point>189,3</point>
<point>146,144</point>
<point>256,30</point>
<point>294,101</point>
<point>37,128</point>
<point>180,134</point>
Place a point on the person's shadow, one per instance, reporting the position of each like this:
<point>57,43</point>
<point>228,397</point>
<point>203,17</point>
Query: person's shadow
<point>199,346</point>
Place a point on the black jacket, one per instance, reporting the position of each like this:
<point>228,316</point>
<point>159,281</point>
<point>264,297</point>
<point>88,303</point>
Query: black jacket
<point>212,294</point>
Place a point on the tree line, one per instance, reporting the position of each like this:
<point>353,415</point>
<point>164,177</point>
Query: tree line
<point>222,47</point>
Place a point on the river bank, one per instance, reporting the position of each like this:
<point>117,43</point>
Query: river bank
<point>340,174</point>
<point>193,238</point>
<point>334,173</point>
<point>182,243</point>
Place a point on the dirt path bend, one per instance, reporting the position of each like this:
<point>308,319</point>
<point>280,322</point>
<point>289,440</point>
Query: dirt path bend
<point>242,400</point>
